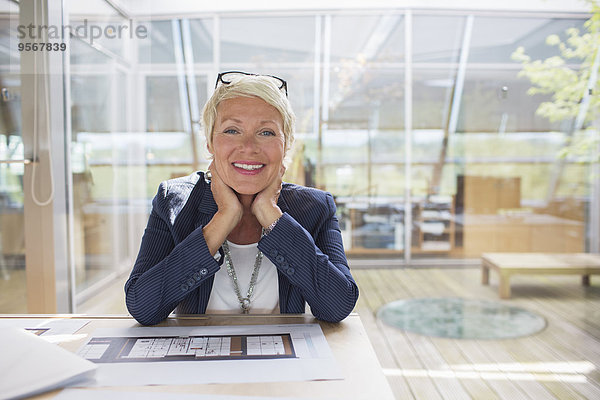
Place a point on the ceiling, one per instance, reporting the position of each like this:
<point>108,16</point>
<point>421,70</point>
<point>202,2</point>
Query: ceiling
<point>182,7</point>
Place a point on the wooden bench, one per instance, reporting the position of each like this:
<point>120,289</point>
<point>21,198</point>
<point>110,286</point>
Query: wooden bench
<point>507,264</point>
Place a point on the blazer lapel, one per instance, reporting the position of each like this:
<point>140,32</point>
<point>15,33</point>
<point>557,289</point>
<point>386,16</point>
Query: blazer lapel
<point>198,210</point>
<point>206,206</point>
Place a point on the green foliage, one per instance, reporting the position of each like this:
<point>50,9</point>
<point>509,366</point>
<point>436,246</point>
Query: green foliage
<point>566,76</point>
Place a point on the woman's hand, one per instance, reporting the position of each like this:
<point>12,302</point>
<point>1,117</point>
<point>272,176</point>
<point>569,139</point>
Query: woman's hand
<point>227,216</point>
<point>264,207</point>
<point>227,200</point>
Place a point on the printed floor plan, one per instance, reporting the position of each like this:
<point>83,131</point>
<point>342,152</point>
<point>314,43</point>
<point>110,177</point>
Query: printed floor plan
<point>221,347</point>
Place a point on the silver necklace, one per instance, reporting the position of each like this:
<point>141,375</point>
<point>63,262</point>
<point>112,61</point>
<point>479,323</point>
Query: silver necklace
<point>244,301</point>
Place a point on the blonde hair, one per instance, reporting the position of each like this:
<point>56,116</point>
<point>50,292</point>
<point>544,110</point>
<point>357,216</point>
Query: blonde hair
<point>263,87</point>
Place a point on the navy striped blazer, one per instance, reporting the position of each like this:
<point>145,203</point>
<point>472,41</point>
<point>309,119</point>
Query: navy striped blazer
<point>175,270</point>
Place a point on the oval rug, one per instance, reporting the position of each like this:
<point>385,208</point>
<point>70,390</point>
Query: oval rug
<point>461,318</point>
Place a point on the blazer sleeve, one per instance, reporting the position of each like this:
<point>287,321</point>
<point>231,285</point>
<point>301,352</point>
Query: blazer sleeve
<point>317,266</point>
<point>164,272</point>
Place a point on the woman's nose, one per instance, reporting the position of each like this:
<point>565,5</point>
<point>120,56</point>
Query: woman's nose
<point>249,143</point>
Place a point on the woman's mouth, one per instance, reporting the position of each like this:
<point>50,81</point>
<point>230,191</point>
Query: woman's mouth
<point>248,168</point>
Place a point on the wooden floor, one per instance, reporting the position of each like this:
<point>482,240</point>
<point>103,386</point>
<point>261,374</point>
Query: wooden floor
<point>561,362</point>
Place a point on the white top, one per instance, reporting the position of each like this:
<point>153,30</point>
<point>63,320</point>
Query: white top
<point>265,299</point>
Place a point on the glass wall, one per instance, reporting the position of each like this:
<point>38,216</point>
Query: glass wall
<point>363,140</point>
<point>13,291</point>
<point>483,164</point>
<point>108,157</point>
<point>511,189</point>
<point>485,172</point>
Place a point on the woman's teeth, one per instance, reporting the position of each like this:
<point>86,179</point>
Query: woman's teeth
<point>248,167</point>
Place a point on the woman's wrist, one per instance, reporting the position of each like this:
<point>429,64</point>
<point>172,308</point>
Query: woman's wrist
<point>217,230</point>
<point>269,228</point>
<point>269,220</point>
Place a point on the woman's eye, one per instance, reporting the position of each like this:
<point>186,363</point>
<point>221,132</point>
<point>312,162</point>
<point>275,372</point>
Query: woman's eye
<point>267,133</point>
<point>230,131</point>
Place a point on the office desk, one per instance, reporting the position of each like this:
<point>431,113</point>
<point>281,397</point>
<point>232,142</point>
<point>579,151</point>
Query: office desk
<point>348,341</point>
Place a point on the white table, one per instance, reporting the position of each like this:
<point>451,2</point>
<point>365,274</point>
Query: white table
<point>348,341</point>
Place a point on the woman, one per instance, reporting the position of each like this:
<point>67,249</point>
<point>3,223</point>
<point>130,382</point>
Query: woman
<point>238,239</point>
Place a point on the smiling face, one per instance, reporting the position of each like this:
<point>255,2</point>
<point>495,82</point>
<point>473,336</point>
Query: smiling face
<point>247,143</point>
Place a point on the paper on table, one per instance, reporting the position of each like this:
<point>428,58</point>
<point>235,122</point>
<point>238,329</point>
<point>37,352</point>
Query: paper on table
<point>313,359</point>
<point>31,365</point>
<point>46,326</point>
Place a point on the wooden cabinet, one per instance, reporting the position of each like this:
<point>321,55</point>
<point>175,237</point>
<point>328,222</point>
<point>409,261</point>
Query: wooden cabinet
<point>529,233</point>
<point>487,194</point>
<point>490,219</point>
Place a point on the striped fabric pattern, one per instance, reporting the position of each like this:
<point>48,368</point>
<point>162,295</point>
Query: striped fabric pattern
<point>175,271</point>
